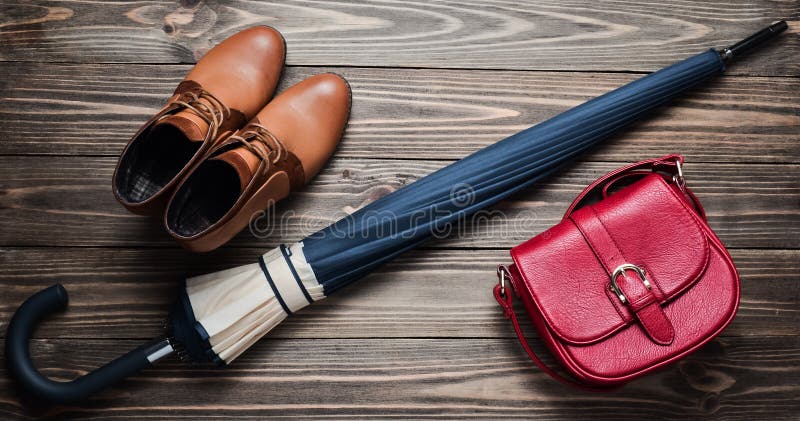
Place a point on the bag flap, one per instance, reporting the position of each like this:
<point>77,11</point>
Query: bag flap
<point>650,224</point>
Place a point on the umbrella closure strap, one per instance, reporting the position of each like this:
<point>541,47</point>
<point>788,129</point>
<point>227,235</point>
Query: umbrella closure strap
<point>285,279</point>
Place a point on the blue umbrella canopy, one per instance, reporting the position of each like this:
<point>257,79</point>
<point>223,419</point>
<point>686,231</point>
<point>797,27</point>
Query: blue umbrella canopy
<point>220,315</point>
<point>353,246</point>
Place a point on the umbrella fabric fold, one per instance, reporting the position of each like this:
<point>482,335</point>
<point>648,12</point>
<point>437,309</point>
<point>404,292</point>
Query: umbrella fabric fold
<point>238,306</point>
<point>234,308</point>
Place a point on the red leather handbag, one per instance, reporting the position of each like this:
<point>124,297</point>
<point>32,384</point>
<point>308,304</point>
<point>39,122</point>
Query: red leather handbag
<point>626,285</point>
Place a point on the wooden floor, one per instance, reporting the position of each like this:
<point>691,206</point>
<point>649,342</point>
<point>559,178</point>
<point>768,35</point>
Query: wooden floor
<point>432,82</point>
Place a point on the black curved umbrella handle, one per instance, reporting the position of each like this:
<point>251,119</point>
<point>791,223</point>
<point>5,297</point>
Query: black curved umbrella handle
<point>22,324</point>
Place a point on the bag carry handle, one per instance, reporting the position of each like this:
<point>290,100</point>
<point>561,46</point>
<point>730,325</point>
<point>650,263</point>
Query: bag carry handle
<point>668,163</point>
<point>504,294</point>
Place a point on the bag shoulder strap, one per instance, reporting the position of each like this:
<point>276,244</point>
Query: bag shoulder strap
<point>505,297</point>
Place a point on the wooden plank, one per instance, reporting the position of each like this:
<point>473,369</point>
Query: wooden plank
<point>126,293</point>
<point>94,109</point>
<point>67,201</point>
<point>495,34</point>
<point>731,378</point>
<point>421,337</point>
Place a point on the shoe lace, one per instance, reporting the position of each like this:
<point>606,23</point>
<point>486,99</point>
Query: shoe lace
<point>254,134</point>
<point>212,110</point>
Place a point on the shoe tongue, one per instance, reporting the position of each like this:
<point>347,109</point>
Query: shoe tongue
<point>190,124</point>
<point>243,161</point>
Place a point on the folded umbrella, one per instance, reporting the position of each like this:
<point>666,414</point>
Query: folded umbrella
<point>222,314</point>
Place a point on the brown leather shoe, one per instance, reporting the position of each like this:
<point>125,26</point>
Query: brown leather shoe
<point>279,151</point>
<point>226,88</point>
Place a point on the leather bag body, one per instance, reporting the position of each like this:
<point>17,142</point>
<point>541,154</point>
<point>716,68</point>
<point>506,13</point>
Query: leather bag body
<point>628,284</point>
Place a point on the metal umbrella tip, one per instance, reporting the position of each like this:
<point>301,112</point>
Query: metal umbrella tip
<point>754,40</point>
<point>779,26</point>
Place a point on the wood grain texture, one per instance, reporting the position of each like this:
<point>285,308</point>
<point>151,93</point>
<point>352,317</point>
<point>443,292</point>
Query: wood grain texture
<point>421,337</point>
<point>498,34</point>
<point>126,293</point>
<point>730,378</point>
<point>399,113</point>
<point>68,201</point>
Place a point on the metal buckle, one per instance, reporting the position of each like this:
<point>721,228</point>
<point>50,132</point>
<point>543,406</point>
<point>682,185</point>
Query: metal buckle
<point>678,179</point>
<point>502,275</point>
<point>620,270</point>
